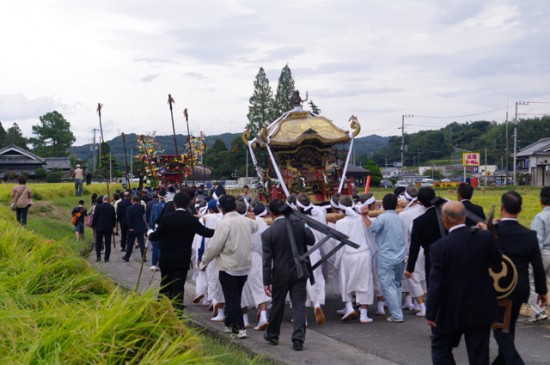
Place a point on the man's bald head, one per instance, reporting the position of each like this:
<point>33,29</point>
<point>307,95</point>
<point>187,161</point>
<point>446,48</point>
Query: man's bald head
<point>453,214</point>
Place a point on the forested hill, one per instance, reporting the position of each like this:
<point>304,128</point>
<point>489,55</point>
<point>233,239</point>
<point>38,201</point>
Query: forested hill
<point>363,145</point>
<point>448,143</point>
<point>443,145</point>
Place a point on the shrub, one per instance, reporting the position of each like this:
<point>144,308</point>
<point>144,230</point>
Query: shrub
<point>53,177</point>
<point>40,173</point>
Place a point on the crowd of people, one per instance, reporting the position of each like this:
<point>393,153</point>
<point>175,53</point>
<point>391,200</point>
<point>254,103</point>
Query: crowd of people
<point>417,252</point>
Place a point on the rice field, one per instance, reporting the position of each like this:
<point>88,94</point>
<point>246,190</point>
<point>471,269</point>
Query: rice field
<point>57,309</point>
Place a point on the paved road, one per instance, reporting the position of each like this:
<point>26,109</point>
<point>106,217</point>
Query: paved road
<point>337,342</point>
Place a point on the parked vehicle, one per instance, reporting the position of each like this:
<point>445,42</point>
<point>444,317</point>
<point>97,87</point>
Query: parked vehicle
<point>402,183</point>
<point>386,184</point>
<point>427,183</point>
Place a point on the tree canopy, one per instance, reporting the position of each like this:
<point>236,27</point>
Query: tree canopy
<point>285,87</point>
<point>13,135</point>
<point>53,136</point>
<point>260,109</point>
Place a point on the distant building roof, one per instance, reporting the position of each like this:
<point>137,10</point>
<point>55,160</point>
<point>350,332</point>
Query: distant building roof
<point>541,146</point>
<point>62,163</point>
<point>15,155</point>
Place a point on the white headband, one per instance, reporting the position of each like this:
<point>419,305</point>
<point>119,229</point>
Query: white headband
<point>203,210</point>
<point>334,205</point>
<point>304,207</point>
<point>409,197</point>
<point>348,210</point>
<point>370,200</point>
<point>263,214</point>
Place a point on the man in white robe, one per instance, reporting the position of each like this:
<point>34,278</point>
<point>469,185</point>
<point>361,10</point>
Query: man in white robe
<point>316,292</point>
<point>253,291</point>
<point>355,264</point>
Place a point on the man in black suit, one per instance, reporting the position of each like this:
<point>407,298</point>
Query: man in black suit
<point>280,276</point>
<point>104,222</point>
<point>426,229</point>
<point>464,194</point>
<point>521,246</point>
<point>175,234</point>
<point>135,214</point>
<point>461,298</point>
<point>122,219</point>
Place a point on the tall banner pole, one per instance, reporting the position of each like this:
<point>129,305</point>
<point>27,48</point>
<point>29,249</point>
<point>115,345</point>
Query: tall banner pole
<point>170,102</point>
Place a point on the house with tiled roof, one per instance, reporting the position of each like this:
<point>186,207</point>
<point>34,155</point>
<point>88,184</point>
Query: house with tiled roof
<point>534,162</point>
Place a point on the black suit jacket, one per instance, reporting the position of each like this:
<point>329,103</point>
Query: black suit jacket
<point>474,208</point>
<point>425,231</point>
<point>461,293</point>
<point>121,208</point>
<point>104,219</point>
<point>521,246</point>
<point>279,267</point>
<point>175,234</point>
<point>135,217</point>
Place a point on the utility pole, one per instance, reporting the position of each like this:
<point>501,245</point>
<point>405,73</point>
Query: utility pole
<point>485,166</point>
<point>507,150</point>
<point>403,142</point>
<point>516,136</point>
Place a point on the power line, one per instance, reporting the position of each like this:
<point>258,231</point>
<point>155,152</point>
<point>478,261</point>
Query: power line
<point>457,116</point>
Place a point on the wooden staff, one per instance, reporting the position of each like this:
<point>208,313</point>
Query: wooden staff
<point>142,262</point>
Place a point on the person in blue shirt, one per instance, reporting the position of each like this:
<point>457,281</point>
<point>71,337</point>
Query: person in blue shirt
<point>391,251</point>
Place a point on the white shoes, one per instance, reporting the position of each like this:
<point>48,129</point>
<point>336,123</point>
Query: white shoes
<point>241,335</point>
<point>364,318</point>
<point>219,318</point>
<point>349,316</point>
<point>380,309</point>
<point>246,321</point>
<point>261,326</point>
<point>154,268</point>
<point>341,312</point>
<point>420,310</point>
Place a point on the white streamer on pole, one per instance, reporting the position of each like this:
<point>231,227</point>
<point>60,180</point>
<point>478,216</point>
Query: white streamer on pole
<point>254,161</point>
<point>277,171</point>
<point>346,166</point>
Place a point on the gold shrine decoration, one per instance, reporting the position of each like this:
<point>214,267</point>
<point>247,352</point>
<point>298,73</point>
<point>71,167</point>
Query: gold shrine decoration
<point>505,280</point>
<point>354,124</point>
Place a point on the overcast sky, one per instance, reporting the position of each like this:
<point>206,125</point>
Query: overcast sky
<point>460,60</point>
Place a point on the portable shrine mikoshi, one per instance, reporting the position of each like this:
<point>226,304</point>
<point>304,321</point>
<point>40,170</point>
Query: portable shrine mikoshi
<point>304,150</point>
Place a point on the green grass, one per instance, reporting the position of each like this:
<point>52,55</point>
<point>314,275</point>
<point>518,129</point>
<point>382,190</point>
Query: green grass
<point>57,309</point>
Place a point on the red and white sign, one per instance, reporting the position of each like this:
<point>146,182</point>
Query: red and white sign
<point>470,159</point>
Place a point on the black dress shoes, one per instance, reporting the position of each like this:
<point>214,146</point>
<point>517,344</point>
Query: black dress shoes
<point>297,345</point>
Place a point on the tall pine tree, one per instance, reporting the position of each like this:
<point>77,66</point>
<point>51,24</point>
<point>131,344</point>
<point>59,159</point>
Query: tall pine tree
<point>284,92</point>
<point>314,108</point>
<point>3,135</point>
<point>15,136</point>
<point>260,109</point>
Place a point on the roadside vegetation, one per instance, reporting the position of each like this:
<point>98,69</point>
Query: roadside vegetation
<point>57,309</point>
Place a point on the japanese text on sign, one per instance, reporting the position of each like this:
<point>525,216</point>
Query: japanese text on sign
<point>470,159</point>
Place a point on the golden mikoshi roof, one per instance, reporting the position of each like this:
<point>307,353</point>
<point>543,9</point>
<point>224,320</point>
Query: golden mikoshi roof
<point>302,126</point>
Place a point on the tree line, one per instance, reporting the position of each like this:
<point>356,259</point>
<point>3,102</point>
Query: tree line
<point>52,136</point>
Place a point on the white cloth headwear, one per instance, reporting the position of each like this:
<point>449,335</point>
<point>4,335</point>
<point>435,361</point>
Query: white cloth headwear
<point>304,207</point>
<point>348,210</point>
<point>410,199</point>
<point>263,214</point>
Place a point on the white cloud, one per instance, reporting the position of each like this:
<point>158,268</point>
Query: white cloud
<point>375,59</point>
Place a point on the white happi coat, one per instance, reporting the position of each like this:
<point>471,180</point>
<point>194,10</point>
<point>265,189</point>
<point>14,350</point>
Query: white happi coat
<point>253,290</point>
<point>414,284</point>
<point>355,263</point>
<point>209,277</point>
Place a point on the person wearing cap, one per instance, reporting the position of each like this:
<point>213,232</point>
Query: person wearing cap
<point>412,287</point>
<point>355,263</point>
<point>78,175</point>
<point>231,246</point>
